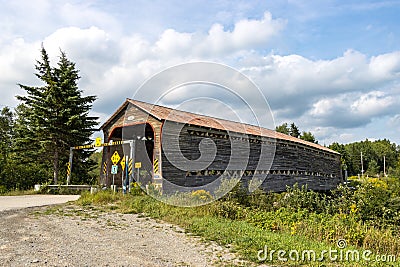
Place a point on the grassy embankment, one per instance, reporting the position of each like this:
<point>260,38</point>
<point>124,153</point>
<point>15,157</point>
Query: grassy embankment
<point>366,218</point>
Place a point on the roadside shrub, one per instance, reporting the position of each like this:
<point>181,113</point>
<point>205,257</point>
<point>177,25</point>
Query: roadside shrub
<point>229,210</point>
<point>201,195</point>
<point>261,200</point>
<point>186,199</point>
<point>258,199</point>
<point>373,203</point>
<point>136,190</point>
<point>297,198</point>
<point>99,198</point>
<point>152,190</point>
<point>3,189</point>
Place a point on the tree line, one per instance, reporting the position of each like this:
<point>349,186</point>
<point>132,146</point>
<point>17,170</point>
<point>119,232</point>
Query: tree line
<point>379,157</point>
<point>35,137</point>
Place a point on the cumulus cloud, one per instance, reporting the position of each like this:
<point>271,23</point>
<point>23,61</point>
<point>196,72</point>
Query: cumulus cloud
<point>245,35</point>
<point>91,44</point>
<point>352,110</point>
<point>324,95</point>
<point>386,66</point>
<point>172,43</point>
<point>14,69</point>
<point>373,104</point>
<point>297,86</point>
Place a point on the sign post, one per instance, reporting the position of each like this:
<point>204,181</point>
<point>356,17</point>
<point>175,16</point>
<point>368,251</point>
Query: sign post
<point>127,185</point>
<point>114,169</point>
<point>129,171</point>
<point>132,146</point>
<point>138,165</point>
<point>123,183</point>
<point>71,154</point>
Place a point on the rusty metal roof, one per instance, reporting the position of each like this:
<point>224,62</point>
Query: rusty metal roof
<point>165,113</point>
<point>169,114</point>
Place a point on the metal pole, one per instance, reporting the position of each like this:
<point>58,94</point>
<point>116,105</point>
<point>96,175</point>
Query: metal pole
<point>126,174</point>
<point>132,155</point>
<point>362,166</point>
<point>138,175</point>
<point>122,177</point>
<point>71,154</point>
<point>384,166</point>
<point>113,182</point>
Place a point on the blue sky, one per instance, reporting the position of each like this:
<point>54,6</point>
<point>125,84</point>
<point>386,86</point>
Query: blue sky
<point>332,67</point>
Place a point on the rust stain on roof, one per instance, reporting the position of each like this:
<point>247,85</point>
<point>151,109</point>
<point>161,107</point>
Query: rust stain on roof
<point>169,114</point>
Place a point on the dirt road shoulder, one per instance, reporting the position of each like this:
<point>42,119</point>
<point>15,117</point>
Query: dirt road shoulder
<point>71,236</point>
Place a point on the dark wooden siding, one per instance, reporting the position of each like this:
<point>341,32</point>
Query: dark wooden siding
<point>292,163</point>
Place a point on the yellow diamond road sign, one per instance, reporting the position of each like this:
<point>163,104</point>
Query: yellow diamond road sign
<point>115,158</point>
<point>123,163</point>
<point>138,165</point>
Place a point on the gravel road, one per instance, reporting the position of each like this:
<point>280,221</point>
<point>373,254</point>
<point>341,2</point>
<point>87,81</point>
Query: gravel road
<point>67,235</point>
<point>18,202</point>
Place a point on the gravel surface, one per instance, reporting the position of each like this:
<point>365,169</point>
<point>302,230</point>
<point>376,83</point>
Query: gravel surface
<point>71,236</point>
<point>18,202</point>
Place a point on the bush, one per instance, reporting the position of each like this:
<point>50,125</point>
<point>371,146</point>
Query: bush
<point>201,195</point>
<point>136,190</point>
<point>229,210</point>
<point>261,200</point>
<point>3,189</point>
<point>297,198</point>
<point>99,198</point>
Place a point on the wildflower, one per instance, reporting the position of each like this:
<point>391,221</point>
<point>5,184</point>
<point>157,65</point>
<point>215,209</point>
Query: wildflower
<point>353,208</point>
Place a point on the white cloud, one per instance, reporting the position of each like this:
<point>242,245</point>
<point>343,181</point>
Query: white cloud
<point>14,69</point>
<point>343,92</point>
<point>328,135</point>
<point>92,43</point>
<point>352,110</point>
<point>295,85</point>
<point>172,43</point>
<point>372,104</point>
<point>85,14</point>
<point>246,34</point>
<point>325,90</point>
<point>386,66</point>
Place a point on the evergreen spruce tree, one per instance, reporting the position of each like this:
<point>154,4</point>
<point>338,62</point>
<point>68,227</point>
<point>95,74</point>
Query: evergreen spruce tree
<point>57,115</point>
<point>6,137</point>
<point>283,128</point>
<point>294,130</point>
<point>27,164</point>
<point>308,136</point>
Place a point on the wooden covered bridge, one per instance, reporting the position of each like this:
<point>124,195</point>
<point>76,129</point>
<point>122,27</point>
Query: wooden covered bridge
<point>283,160</point>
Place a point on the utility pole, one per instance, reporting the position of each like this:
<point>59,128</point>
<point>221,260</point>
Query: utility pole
<point>384,166</point>
<point>362,166</point>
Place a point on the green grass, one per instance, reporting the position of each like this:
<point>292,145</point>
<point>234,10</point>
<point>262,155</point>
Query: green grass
<point>18,192</point>
<point>241,234</point>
